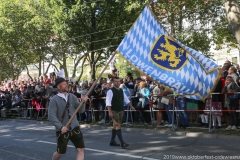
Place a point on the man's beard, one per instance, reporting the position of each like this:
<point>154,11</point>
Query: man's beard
<point>63,90</point>
<point>117,86</point>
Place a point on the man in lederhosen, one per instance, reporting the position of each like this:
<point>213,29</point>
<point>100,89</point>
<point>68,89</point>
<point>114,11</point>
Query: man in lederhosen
<point>61,108</point>
<point>115,101</point>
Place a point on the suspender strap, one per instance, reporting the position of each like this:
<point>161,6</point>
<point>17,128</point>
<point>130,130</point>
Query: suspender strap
<point>65,109</point>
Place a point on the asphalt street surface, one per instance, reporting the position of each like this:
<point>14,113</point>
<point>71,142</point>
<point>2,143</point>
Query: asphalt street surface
<point>33,140</point>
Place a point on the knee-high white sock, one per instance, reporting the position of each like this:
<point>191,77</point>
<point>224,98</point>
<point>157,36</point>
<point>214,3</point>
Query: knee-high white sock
<point>214,119</point>
<point>206,118</point>
<point>219,120</point>
<point>202,118</point>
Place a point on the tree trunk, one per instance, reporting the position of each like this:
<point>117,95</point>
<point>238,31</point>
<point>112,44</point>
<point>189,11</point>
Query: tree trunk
<point>65,66</point>
<point>48,67</point>
<point>28,73</point>
<point>172,22</point>
<point>180,20</point>
<point>82,69</point>
<point>233,16</point>
<point>93,71</point>
<point>92,47</point>
<point>55,67</point>
<point>40,67</point>
<point>49,64</point>
<point>77,60</point>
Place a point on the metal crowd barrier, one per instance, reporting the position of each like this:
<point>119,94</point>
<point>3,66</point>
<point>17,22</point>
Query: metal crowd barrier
<point>29,110</point>
<point>128,110</point>
<point>151,109</point>
<point>174,110</point>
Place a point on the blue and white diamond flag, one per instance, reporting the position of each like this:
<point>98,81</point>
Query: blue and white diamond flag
<point>152,50</point>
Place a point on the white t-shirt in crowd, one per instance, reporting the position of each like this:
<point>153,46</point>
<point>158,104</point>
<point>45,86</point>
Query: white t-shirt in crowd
<point>60,73</point>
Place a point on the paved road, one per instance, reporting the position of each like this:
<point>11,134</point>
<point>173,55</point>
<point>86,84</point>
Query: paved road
<point>32,140</point>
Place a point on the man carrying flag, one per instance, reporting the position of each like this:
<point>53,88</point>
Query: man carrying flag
<point>61,108</point>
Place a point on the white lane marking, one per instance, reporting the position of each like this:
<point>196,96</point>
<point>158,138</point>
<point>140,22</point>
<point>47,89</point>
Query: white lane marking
<point>20,155</point>
<point>102,151</point>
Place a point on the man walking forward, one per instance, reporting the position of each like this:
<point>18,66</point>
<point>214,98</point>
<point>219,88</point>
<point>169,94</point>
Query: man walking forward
<point>115,101</point>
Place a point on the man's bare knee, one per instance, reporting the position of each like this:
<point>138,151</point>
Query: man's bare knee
<point>80,154</point>
<point>80,150</point>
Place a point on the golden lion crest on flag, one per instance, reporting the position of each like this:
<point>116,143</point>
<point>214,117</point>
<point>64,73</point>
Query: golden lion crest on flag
<point>167,54</point>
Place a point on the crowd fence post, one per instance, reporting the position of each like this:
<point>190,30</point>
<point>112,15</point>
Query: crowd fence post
<point>93,118</point>
<point>210,114</point>
<point>151,114</point>
<point>131,116</point>
<point>177,112</point>
<point>153,120</point>
<point>31,112</point>
<point>127,115</point>
<point>37,114</point>
<point>42,107</point>
<point>18,110</point>
<point>173,111</point>
<point>150,111</point>
<point>105,114</point>
<point>27,110</point>
<point>26,116</point>
<point>91,108</point>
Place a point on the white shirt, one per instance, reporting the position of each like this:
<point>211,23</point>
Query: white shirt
<point>110,95</point>
<point>63,96</point>
<point>60,73</point>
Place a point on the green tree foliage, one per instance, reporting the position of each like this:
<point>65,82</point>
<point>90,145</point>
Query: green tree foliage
<point>95,28</point>
<point>23,34</point>
<point>194,23</point>
<point>33,31</point>
<point>123,67</point>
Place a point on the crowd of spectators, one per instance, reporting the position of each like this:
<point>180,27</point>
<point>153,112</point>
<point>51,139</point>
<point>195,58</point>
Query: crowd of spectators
<point>33,95</point>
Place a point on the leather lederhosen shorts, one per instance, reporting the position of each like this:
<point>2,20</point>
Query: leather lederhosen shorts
<point>75,136</point>
<point>117,117</point>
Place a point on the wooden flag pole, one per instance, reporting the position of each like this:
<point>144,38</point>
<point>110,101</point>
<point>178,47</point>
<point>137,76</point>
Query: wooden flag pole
<point>90,90</point>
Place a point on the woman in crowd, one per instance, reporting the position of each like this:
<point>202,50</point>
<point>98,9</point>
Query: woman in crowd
<point>143,94</point>
<point>232,101</point>
<point>232,72</point>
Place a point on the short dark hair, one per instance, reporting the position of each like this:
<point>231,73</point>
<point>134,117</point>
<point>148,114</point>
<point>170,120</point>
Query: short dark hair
<point>230,78</point>
<point>129,74</point>
<point>233,68</point>
<point>115,78</point>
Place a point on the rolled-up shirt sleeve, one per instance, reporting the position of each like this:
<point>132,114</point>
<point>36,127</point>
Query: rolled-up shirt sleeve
<point>126,99</point>
<point>109,98</point>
